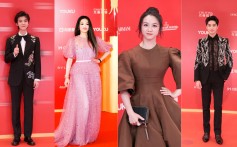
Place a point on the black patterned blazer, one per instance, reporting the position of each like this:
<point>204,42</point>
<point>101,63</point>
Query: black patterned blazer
<point>26,66</point>
<point>201,69</point>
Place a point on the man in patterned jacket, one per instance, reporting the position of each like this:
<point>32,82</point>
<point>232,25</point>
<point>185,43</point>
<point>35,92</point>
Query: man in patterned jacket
<point>23,54</point>
<point>213,65</point>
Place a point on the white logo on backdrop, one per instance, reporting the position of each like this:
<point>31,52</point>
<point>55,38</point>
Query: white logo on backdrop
<point>121,107</point>
<point>100,29</point>
<point>231,88</point>
<point>233,14</point>
<point>66,30</point>
<point>205,13</point>
<point>61,47</point>
<point>234,33</point>
<point>61,67</point>
<point>234,71</point>
<point>100,11</point>
<point>202,32</point>
<point>67,11</point>
<point>233,51</point>
<point>167,27</point>
<point>124,29</point>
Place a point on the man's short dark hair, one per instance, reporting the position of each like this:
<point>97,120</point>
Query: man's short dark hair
<point>20,14</point>
<point>213,18</point>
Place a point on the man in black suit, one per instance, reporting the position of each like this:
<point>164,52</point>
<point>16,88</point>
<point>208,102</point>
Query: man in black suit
<point>213,65</point>
<point>23,54</point>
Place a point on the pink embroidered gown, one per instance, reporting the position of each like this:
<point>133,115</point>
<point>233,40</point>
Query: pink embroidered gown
<point>80,120</point>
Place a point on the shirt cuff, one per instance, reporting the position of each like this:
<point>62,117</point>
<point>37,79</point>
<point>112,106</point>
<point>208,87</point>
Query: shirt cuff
<point>37,80</point>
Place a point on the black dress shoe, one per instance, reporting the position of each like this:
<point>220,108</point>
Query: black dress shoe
<point>29,141</point>
<point>206,137</point>
<point>16,142</point>
<point>219,139</point>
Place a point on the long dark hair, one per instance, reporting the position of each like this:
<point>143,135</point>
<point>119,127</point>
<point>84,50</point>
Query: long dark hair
<point>154,12</point>
<point>90,33</point>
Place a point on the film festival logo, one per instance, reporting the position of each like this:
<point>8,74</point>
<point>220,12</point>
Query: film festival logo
<point>168,27</point>
<point>100,11</point>
<point>234,33</point>
<point>205,13</point>
<point>67,11</point>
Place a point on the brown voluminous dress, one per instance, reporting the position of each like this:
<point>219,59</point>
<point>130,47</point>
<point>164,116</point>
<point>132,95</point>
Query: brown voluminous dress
<point>141,73</point>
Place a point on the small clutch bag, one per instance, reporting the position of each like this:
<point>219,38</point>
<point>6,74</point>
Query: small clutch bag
<point>143,112</point>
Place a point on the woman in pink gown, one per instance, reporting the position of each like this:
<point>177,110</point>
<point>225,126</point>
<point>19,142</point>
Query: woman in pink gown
<point>80,120</point>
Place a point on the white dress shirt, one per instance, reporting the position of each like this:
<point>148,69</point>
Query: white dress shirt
<point>23,42</point>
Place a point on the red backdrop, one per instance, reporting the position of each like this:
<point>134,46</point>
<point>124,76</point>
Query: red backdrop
<point>41,25</point>
<point>128,18</point>
<point>193,28</point>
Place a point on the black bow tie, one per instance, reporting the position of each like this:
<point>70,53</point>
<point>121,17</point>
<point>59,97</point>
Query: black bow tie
<point>24,37</point>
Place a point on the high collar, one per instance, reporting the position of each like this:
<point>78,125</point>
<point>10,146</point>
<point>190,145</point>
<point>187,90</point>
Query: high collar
<point>22,34</point>
<point>216,37</point>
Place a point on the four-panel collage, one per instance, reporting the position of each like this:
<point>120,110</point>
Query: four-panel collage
<point>116,73</point>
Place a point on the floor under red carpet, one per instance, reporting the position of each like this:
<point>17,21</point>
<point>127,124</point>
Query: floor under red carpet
<point>108,130</point>
<point>192,130</point>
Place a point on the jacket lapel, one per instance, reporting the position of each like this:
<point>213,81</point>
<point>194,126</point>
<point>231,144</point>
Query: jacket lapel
<point>28,44</point>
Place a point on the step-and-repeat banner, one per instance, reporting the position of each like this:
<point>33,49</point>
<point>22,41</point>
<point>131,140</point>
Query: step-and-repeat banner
<point>103,15</point>
<point>128,19</point>
<point>193,27</point>
<point>42,25</point>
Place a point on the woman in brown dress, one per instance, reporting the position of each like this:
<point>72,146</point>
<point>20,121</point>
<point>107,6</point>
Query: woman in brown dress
<point>141,74</point>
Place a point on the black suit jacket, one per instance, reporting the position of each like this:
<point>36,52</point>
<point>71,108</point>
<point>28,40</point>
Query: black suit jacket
<point>26,66</point>
<point>202,69</point>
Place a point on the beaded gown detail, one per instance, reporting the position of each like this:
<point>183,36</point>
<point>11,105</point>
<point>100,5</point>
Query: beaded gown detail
<point>80,120</point>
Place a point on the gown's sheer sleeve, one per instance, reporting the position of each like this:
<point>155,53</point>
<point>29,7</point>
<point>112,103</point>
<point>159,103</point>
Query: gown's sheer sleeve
<point>175,64</point>
<point>125,74</point>
<point>69,50</point>
<point>102,45</point>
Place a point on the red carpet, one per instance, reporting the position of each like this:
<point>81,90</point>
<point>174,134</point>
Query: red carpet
<point>40,142</point>
<point>192,130</point>
<point>108,131</point>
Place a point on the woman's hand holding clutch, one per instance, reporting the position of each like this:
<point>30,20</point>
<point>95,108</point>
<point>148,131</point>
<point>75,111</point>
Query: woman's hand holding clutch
<point>134,118</point>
